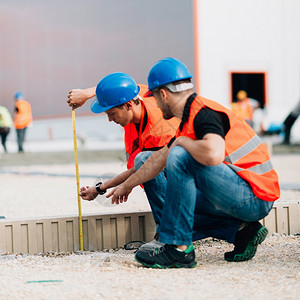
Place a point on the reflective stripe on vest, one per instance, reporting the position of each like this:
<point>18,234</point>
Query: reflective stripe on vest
<point>245,153</point>
<point>238,154</point>
<point>243,150</point>
<point>258,169</point>
<point>156,134</point>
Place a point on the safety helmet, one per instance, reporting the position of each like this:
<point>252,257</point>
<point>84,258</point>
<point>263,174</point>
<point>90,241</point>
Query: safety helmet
<point>19,95</point>
<point>113,90</point>
<point>241,95</point>
<point>166,71</point>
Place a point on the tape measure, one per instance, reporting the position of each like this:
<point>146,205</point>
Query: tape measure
<point>77,179</point>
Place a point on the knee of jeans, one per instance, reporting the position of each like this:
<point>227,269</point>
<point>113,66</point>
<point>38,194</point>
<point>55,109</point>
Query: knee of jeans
<point>141,158</point>
<point>176,157</point>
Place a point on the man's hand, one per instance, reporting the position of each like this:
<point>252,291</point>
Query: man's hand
<point>119,194</point>
<point>77,98</point>
<point>88,193</point>
<point>178,142</point>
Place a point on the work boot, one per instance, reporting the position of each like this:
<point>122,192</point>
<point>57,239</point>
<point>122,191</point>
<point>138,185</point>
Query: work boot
<point>246,242</point>
<point>154,244</point>
<point>167,257</point>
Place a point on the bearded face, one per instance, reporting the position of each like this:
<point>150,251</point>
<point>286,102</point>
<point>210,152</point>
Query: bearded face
<point>165,107</point>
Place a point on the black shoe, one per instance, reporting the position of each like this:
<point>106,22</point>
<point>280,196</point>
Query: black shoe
<point>167,257</point>
<point>246,241</point>
<point>154,244</point>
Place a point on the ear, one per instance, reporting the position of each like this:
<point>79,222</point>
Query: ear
<point>128,105</point>
<point>163,94</point>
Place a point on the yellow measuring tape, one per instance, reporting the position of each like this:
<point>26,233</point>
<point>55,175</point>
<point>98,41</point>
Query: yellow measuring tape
<point>77,179</point>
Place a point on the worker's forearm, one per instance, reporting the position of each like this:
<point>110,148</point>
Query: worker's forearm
<point>150,169</point>
<point>118,179</point>
<point>209,151</point>
<point>90,92</point>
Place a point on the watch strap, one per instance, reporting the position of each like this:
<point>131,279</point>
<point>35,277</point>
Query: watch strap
<point>98,188</point>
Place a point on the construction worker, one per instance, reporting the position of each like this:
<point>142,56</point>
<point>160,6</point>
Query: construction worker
<point>121,87</point>
<point>5,124</point>
<point>289,122</point>
<point>220,180</point>
<point>244,107</point>
<point>146,130</point>
<point>22,118</point>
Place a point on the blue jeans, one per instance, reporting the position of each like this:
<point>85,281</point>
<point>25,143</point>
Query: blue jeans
<point>191,201</point>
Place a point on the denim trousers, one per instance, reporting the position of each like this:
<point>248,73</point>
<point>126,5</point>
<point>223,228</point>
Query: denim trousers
<point>190,201</point>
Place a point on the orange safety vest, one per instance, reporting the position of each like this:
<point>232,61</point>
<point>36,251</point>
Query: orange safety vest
<point>23,117</point>
<point>245,153</point>
<point>243,109</point>
<point>156,134</point>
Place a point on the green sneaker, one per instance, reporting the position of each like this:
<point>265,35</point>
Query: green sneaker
<point>167,257</point>
<point>246,242</point>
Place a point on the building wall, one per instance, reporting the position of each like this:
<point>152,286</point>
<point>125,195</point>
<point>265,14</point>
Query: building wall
<point>256,35</point>
<point>50,47</point>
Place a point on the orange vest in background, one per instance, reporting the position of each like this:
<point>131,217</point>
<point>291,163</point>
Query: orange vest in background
<point>243,109</point>
<point>23,117</point>
<point>245,153</point>
<point>156,134</point>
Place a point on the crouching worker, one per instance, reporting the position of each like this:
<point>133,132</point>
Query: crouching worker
<point>220,180</point>
<point>146,130</point>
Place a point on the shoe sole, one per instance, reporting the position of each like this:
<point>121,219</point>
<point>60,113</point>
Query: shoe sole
<point>250,251</point>
<point>192,264</point>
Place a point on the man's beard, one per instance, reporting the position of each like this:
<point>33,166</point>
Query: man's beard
<point>167,114</point>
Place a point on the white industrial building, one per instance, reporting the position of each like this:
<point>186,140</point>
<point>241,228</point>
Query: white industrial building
<point>252,45</point>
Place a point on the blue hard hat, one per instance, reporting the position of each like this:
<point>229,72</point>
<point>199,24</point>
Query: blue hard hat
<point>166,71</point>
<point>19,95</point>
<point>113,90</point>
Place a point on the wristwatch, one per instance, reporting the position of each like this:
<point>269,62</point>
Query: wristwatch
<point>98,188</point>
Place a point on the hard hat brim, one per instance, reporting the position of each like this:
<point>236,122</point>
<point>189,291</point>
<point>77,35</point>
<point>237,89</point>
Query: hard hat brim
<point>97,109</point>
<point>148,94</point>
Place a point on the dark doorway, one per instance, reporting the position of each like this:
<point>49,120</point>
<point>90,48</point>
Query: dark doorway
<point>253,83</point>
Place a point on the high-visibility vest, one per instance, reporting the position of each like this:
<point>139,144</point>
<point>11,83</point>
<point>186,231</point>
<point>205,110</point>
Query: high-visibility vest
<point>156,134</point>
<point>243,109</point>
<point>23,117</point>
<point>245,152</point>
<point>5,117</point>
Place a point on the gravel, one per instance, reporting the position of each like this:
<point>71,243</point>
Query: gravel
<point>274,273</point>
<point>38,190</point>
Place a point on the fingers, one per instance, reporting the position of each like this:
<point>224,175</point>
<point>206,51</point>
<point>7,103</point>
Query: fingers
<point>84,188</point>
<point>118,199</point>
<point>118,196</point>
<point>71,99</point>
<point>110,193</point>
<point>84,193</point>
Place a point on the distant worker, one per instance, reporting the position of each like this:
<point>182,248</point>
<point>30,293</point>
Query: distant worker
<point>146,130</point>
<point>22,118</point>
<point>244,107</point>
<point>5,124</point>
<point>289,122</point>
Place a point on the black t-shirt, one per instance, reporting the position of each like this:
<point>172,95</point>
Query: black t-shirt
<point>206,121</point>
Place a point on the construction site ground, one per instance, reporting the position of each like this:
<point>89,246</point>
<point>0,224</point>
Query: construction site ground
<point>43,184</point>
